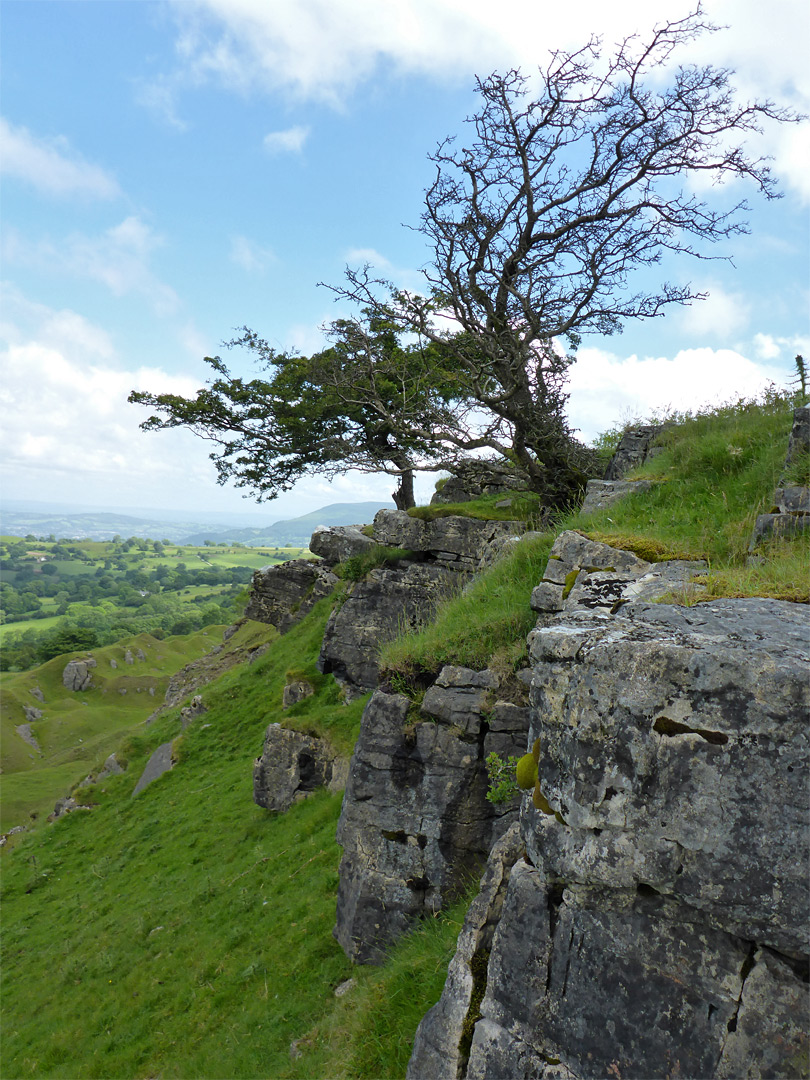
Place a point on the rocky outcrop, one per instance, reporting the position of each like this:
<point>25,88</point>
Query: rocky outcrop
<point>160,762</point>
<point>282,595</point>
<point>337,543</point>
<point>403,596</point>
<point>658,926</point>
<point>78,674</point>
<point>295,691</point>
<point>583,573</point>
<point>472,479</point>
<point>599,494</point>
<point>415,821</point>
<point>293,765</point>
<point>635,447</point>
<point>790,512</point>
<point>374,611</point>
<point>460,543</point>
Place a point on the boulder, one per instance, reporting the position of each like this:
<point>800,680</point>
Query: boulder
<point>336,543</point>
<point>415,820</point>
<point>293,765</point>
<point>635,447</point>
<point>159,763</point>
<point>77,674</point>
<point>282,595</point>
<point>295,691</point>
<point>583,573</point>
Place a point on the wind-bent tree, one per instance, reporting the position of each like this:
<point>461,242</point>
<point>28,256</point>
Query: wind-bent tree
<point>536,225</point>
<point>365,403</point>
<point>537,222</point>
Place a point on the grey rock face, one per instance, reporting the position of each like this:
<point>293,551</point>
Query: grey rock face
<point>600,494</point>
<point>295,691</point>
<point>674,743</point>
<point>439,1051</point>
<point>159,763</point>
<point>77,674</point>
<point>633,450</point>
<point>472,479</point>
<point>583,573</point>
<point>461,543</point>
<point>37,693</point>
<point>292,765</point>
<point>415,819</point>
<point>32,713</point>
<point>375,611</point>
<point>334,543</point>
<point>627,984</point>
<point>282,595</point>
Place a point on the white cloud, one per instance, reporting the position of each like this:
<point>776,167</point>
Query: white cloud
<point>290,141</point>
<point>119,259</point>
<point>768,347</point>
<point>323,50</point>
<point>722,315</point>
<point>51,165</point>
<point>367,257</point>
<point>160,98</point>
<point>607,389</point>
<point>249,255</point>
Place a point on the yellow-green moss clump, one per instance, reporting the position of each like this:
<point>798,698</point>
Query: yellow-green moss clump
<point>526,772</point>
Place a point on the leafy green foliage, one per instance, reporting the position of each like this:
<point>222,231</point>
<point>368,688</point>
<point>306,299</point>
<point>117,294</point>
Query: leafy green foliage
<point>366,403</point>
<point>502,782</point>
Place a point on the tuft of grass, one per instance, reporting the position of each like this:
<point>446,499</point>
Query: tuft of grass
<point>521,506</point>
<point>357,567</point>
<point>369,1033</point>
<point>491,614</point>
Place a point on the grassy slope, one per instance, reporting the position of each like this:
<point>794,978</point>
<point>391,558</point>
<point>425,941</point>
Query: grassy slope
<point>187,933</point>
<point>80,729</point>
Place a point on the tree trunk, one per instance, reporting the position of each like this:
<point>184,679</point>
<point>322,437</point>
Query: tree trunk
<point>403,496</point>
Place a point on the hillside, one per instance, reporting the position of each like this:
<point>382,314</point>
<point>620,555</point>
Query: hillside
<point>187,932</point>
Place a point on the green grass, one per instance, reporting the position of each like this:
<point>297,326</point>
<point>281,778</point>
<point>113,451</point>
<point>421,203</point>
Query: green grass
<point>491,617</point>
<point>519,506</point>
<point>79,730</point>
<point>186,932</point>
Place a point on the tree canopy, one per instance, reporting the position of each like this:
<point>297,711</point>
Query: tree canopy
<point>567,184</point>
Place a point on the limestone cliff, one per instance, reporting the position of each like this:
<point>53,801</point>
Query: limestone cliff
<point>656,924</point>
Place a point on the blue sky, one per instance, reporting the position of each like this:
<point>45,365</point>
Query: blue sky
<point>172,171</point>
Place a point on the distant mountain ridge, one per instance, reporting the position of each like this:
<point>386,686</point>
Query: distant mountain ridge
<point>296,531</point>
<point>103,525</point>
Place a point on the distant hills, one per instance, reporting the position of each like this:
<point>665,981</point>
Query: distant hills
<point>98,525</point>
<point>296,531</point>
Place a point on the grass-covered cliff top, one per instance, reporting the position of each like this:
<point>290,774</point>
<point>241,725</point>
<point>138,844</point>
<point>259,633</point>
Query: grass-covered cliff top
<point>187,933</point>
<point>715,473</point>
